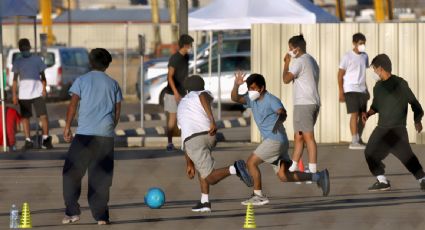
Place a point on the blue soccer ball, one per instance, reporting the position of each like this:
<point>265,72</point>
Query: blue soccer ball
<point>154,198</point>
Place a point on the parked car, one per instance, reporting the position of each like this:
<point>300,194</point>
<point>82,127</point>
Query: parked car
<point>230,45</point>
<point>155,87</point>
<point>64,65</point>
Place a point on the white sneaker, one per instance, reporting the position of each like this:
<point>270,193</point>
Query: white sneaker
<point>256,200</point>
<point>70,219</point>
<point>356,146</point>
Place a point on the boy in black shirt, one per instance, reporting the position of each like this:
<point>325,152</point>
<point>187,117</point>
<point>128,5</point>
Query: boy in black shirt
<point>391,98</point>
<point>178,71</point>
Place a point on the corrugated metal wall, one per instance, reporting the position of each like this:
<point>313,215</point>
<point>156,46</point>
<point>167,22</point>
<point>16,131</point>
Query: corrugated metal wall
<point>106,35</point>
<point>404,43</point>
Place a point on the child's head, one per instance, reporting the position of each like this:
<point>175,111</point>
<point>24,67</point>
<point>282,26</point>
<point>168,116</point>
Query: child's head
<point>256,82</point>
<point>185,42</point>
<point>194,83</point>
<point>297,42</point>
<point>381,63</point>
<point>24,44</point>
<point>359,41</point>
<point>100,59</point>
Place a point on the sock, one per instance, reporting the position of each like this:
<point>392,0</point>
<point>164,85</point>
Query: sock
<point>28,139</point>
<point>355,139</point>
<point>422,179</point>
<point>232,170</point>
<point>204,198</point>
<point>312,167</point>
<point>45,137</point>
<point>258,192</point>
<point>382,179</point>
<point>294,166</point>
<point>315,177</point>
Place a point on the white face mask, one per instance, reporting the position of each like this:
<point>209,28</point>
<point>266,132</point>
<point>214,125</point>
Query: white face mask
<point>375,77</point>
<point>253,95</point>
<point>361,48</point>
<point>292,53</point>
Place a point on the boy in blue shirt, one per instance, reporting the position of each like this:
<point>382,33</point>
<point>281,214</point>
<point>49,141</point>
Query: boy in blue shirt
<point>269,114</point>
<point>99,98</point>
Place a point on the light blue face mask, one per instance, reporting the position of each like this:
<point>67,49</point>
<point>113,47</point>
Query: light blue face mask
<point>26,53</point>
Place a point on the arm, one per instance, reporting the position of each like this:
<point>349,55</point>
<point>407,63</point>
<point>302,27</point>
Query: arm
<point>14,88</point>
<point>190,167</point>
<point>117,113</point>
<point>171,71</point>
<point>341,73</point>
<point>206,100</point>
<point>418,112</point>
<point>70,114</point>
<point>235,91</point>
<point>287,76</point>
<point>366,115</point>
<point>44,82</point>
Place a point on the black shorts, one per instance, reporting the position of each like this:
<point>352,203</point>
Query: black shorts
<point>39,106</point>
<point>356,102</point>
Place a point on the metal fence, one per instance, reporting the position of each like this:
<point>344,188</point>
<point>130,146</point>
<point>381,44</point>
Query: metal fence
<point>404,43</point>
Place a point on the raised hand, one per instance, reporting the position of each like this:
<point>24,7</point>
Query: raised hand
<point>239,78</point>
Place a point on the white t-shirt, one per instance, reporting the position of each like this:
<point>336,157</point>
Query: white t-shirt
<point>191,116</point>
<point>29,69</point>
<point>306,80</point>
<point>355,71</point>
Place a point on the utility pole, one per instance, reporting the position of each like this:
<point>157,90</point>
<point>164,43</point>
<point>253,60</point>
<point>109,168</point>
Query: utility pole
<point>46,20</point>
<point>183,17</point>
<point>155,22</point>
<point>340,10</point>
<point>173,16</point>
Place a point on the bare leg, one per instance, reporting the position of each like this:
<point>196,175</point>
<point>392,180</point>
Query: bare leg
<point>45,124</point>
<point>172,120</point>
<point>311,147</point>
<point>298,146</point>
<point>286,176</point>
<point>205,187</point>
<point>252,165</point>
<point>217,175</point>
<point>26,124</point>
<point>354,119</point>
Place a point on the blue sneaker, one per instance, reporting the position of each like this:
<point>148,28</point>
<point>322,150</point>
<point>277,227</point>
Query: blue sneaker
<point>242,173</point>
<point>323,182</point>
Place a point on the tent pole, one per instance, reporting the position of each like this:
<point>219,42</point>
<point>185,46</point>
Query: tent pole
<point>35,35</point>
<point>3,115</point>
<point>195,52</point>
<point>210,33</point>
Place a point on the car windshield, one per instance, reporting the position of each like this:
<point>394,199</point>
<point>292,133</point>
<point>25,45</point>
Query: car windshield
<point>49,58</point>
<point>228,64</point>
<point>74,58</point>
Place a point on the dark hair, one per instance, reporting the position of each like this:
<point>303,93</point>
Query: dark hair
<point>383,61</point>
<point>194,83</point>
<point>185,40</point>
<point>358,37</point>
<point>256,78</point>
<point>100,58</point>
<point>24,44</point>
<point>298,42</point>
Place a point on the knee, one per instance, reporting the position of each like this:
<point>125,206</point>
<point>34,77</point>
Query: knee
<point>210,180</point>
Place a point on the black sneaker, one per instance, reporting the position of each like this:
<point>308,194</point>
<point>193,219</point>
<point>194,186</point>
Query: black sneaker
<point>28,145</point>
<point>242,173</point>
<point>202,207</point>
<point>423,185</point>
<point>379,186</point>
<point>47,143</point>
<point>323,182</point>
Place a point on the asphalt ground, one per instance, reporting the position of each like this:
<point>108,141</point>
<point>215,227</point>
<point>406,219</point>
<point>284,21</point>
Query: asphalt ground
<point>35,177</point>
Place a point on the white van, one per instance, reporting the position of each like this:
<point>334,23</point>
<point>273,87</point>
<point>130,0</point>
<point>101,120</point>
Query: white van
<point>64,65</point>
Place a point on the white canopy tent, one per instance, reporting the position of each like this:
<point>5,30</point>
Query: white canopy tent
<point>240,14</point>
<point>10,8</point>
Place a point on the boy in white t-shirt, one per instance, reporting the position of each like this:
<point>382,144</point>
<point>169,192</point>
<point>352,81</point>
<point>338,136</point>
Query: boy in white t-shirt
<point>198,129</point>
<point>352,87</point>
<point>29,70</point>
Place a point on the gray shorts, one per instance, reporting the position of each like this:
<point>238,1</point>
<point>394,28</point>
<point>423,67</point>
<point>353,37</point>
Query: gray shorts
<point>305,117</point>
<point>273,152</point>
<point>199,150</point>
<point>170,103</point>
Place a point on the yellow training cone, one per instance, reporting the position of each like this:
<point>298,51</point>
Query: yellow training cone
<point>25,217</point>
<point>250,217</point>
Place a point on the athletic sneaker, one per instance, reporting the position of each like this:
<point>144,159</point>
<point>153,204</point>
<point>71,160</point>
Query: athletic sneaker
<point>103,222</point>
<point>379,186</point>
<point>423,185</point>
<point>256,200</point>
<point>170,147</point>
<point>323,182</point>
<point>202,207</point>
<point>356,146</point>
<point>28,145</point>
<point>70,219</point>
<point>47,143</point>
<point>242,173</point>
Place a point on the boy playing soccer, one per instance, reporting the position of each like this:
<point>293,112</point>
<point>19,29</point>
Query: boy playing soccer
<point>195,118</point>
<point>269,114</point>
